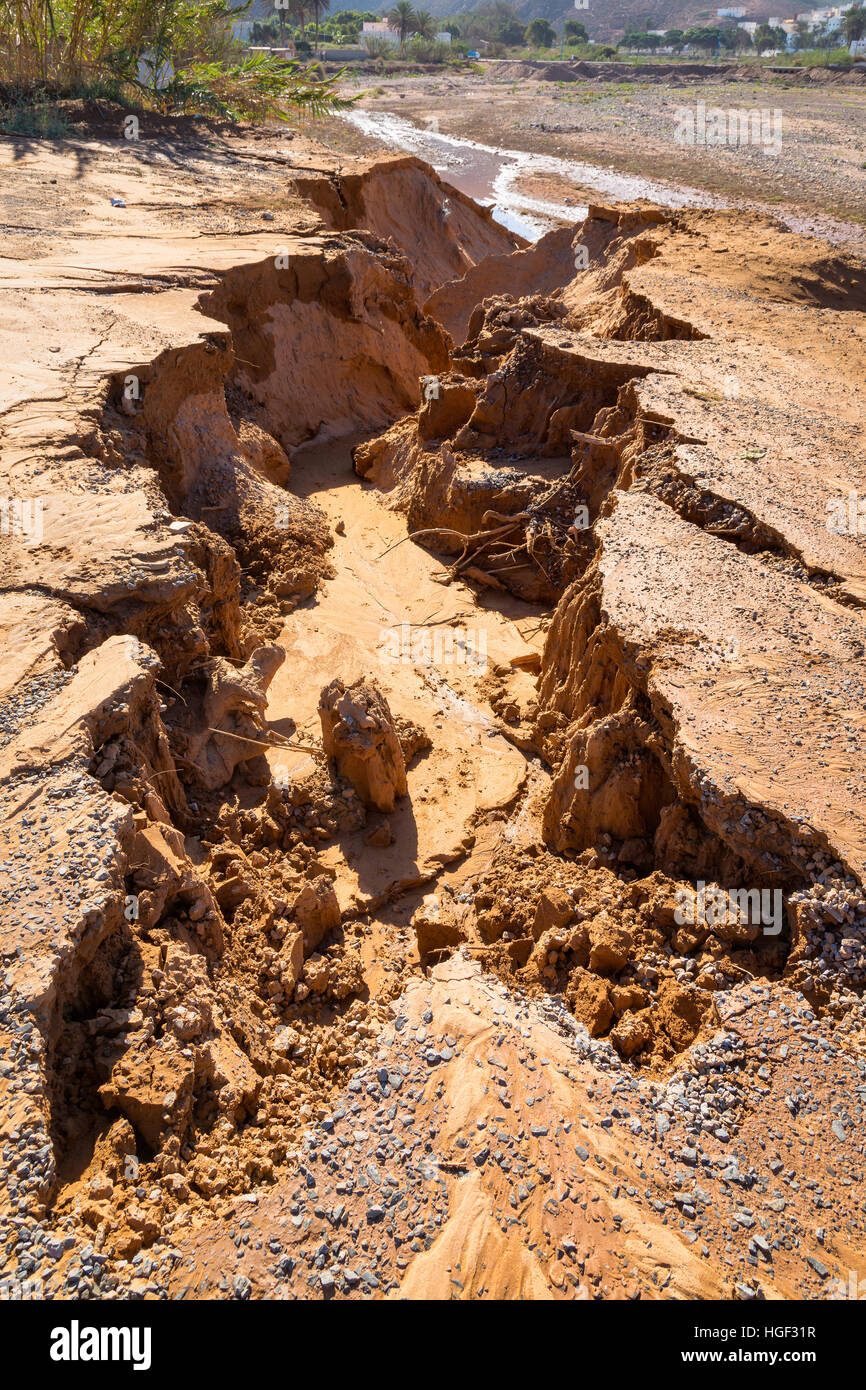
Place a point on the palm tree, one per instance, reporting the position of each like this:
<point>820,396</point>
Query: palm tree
<point>402,18</point>
<point>855,23</point>
<point>281,8</point>
<point>318,7</point>
<point>299,10</point>
<point>424,25</point>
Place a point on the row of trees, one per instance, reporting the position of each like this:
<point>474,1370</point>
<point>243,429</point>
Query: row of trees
<point>727,36</point>
<point>497,24</point>
<point>541,34</point>
<point>300,19</point>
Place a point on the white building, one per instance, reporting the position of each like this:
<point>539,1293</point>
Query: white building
<point>383,30</point>
<point>730,14</point>
<point>830,19</point>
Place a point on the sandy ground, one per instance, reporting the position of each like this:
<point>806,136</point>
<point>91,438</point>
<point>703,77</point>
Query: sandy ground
<point>379,594</point>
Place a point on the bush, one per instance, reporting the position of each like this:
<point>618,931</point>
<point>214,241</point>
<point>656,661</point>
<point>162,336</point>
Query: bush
<point>540,34</point>
<point>186,45</point>
<point>428,50</point>
<point>575,32</point>
<point>258,88</point>
<point>35,117</point>
<point>378,46</point>
<point>817,57</point>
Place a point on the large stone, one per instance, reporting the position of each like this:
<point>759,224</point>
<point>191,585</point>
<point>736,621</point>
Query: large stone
<point>153,1088</point>
<point>554,909</point>
<point>358,733</point>
<point>316,912</point>
<point>610,945</point>
<point>682,1011</point>
<point>632,1033</point>
<point>589,1000</point>
<point>436,926</point>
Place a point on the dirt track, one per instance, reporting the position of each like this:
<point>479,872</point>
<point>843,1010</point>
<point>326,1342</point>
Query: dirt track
<point>305,456</point>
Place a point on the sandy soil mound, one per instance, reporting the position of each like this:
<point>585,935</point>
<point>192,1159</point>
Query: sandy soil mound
<point>441,231</point>
<point>674,73</point>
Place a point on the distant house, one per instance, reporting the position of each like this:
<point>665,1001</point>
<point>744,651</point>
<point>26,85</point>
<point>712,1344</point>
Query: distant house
<point>380,28</point>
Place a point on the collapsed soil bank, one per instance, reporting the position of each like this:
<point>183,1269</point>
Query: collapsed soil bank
<point>238,926</point>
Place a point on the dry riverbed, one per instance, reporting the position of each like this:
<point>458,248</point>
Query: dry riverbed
<point>817,179</point>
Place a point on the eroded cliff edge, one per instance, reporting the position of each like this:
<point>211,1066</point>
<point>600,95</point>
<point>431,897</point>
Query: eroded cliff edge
<point>627,447</point>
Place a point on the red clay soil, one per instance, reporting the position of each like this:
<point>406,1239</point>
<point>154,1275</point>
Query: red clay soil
<point>431,740</point>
